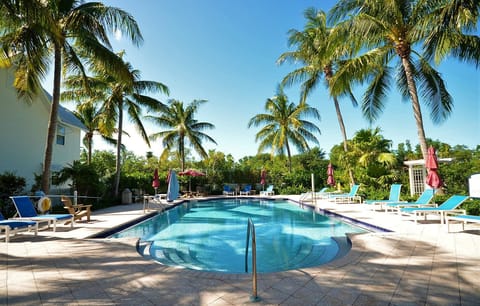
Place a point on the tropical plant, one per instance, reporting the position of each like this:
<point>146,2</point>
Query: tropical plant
<point>115,96</point>
<point>73,33</point>
<point>385,33</point>
<point>82,178</point>
<point>284,125</point>
<point>179,119</point>
<point>320,50</point>
<point>93,120</point>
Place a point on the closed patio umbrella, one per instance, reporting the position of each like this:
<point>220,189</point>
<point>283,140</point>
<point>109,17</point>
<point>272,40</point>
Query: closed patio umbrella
<point>263,178</point>
<point>330,178</point>
<point>173,188</point>
<point>156,181</point>
<point>433,178</point>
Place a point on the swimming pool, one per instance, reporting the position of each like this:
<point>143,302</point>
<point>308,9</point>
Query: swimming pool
<point>211,235</point>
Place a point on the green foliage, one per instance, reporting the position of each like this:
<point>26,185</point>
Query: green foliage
<point>83,178</point>
<point>472,207</point>
<point>10,185</point>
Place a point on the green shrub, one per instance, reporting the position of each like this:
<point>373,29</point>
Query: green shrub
<point>10,184</point>
<point>472,207</point>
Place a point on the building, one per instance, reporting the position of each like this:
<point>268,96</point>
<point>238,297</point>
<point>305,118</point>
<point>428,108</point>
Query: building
<point>23,129</point>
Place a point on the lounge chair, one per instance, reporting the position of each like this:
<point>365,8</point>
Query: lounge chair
<point>268,192</point>
<point>228,191</point>
<point>246,190</point>
<point>463,219</point>
<point>11,227</point>
<point>78,211</point>
<point>449,206</point>
<point>346,197</point>
<point>26,211</point>
<point>394,197</point>
<point>422,201</point>
<point>309,196</point>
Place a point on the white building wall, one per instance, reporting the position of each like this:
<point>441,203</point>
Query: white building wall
<point>23,132</point>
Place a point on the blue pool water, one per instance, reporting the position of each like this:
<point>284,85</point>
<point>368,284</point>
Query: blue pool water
<point>211,235</point>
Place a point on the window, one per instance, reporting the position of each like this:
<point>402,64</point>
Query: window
<point>61,135</point>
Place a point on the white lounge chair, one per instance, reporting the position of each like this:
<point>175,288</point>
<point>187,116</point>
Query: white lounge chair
<point>268,192</point>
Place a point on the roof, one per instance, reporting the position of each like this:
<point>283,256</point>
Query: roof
<point>421,162</point>
<point>66,116</point>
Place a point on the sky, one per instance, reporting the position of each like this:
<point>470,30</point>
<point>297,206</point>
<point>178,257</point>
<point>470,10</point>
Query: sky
<point>225,51</point>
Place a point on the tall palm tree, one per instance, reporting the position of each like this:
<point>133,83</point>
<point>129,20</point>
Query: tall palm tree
<point>386,33</point>
<point>179,119</point>
<point>283,126</point>
<point>72,32</point>
<point>115,95</point>
<point>320,50</point>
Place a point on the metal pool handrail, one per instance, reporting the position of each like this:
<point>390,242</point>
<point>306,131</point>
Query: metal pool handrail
<point>251,229</point>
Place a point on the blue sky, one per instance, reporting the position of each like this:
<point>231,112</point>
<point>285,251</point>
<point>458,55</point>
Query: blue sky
<point>225,52</point>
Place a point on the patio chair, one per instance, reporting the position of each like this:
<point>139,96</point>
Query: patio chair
<point>12,227</point>
<point>78,211</point>
<point>26,211</point>
<point>449,206</point>
<point>463,219</point>
<point>309,196</point>
<point>268,192</point>
<point>394,197</point>
<point>246,190</point>
<point>422,201</point>
<point>228,191</point>
<point>347,197</point>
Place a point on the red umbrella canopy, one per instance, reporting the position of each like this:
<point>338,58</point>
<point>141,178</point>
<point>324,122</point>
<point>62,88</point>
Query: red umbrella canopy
<point>433,178</point>
<point>192,172</point>
<point>156,181</point>
<point>263,177</point>
<point>330,178</point>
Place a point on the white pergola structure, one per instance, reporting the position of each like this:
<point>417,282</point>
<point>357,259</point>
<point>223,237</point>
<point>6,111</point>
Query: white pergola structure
<point>417,174</point>
<point>474,185</point>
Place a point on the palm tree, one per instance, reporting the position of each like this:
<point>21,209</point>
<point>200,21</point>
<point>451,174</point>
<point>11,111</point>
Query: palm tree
<point>387,32</point>
<point>461,18</point>
<point>283,126</point>
<point>181,126</point>
<point>115,96</point>
<point>72,32</point>
<point>320,50</point>
<point>373,155</point>
<point>96,123</point>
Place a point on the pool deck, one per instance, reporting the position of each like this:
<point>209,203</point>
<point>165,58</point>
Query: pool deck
<point>414,265</point>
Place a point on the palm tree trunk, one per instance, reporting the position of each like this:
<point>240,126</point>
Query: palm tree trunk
<point>119,146</point>
<point>344,135</point>
<point>52,124</point>
<point>89,147</point>
<point>181,148</point>
<point>416,106</point>
<point>289,154</point>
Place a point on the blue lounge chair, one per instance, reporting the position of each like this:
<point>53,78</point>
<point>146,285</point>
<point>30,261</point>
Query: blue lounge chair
<point>11,227</point>
<point>268,192</point>
<point>449,206</point>
<point>422,201</point>
<point>228,191</point>
<point>246,190</point>
<point>346,197</point>
<point>393,198</point>
<point>26,211</point>
<point>463,219</point>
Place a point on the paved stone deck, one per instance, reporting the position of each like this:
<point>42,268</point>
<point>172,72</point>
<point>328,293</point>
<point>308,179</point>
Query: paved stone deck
<point>414,265</point>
